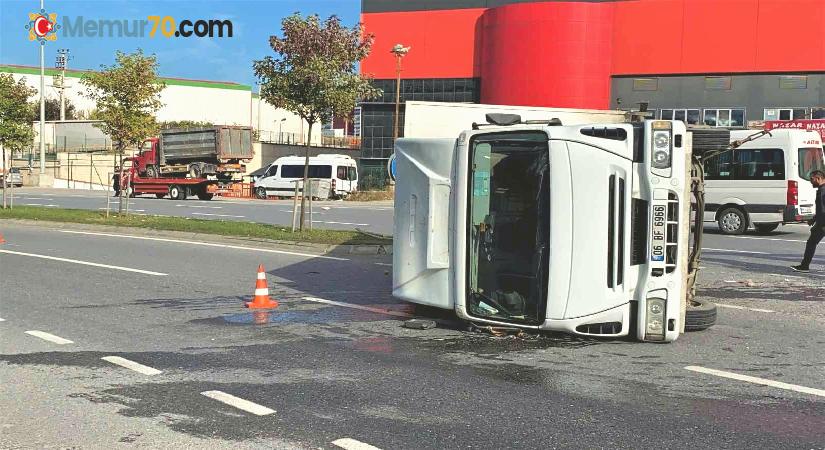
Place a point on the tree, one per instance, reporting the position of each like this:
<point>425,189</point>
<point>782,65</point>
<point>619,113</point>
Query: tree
<point>15,122</point>
<point>127,96</point>
<point>313,72</point>
<point>53,110</point>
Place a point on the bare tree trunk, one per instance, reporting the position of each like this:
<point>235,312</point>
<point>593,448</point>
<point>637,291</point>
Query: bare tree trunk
<point>306,175</point>
<point>120,181</point>
<point>5,174</point>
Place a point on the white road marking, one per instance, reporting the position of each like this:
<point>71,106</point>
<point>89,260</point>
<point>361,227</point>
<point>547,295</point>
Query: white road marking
<point>725,250</point>
<point>218,215</point>
<point>239,403</point>
<point>31,198</point>
<point>756,380</point>
<point>49,337</point>
<point>40,204</point>
<point>85,263</point>
<point>352,444</point>
<point>198,206</point>
<point>2,319</point>
<point>205,244</point>
<point>123,362</point>
<point>723,305</point>
<point>383,264</point>
<point>114,208</point>
<point>767,239</point>
<point>342,223</point>
<point>362,308</point>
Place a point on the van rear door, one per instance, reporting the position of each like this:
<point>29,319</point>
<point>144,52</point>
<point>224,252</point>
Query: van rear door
<point>421,252</point>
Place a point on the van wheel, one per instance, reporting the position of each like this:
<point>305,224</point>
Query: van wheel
<point>700,315</point>
<point>260,193</point>
<point>733,221</point>
<point>765,228</point>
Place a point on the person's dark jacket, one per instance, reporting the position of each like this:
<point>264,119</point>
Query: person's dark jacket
<point>819,218</point>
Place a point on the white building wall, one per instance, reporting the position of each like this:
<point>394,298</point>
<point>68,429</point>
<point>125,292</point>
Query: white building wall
<point>267,118</point>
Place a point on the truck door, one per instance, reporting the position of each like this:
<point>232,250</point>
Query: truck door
<point>421,252</point>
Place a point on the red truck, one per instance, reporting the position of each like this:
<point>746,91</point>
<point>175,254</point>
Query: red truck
<point>184,162</point>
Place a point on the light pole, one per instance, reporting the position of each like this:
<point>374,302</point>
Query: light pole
<point>399,51</point>
<point>280,129</point>
<point>42,106</point>
<point>61,64</point>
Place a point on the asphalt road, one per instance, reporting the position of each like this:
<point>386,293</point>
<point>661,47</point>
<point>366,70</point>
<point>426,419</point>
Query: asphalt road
<point>320,372</point>
<point>337,215</point>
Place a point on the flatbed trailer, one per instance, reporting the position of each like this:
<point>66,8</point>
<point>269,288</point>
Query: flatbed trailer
<point>175,188</point>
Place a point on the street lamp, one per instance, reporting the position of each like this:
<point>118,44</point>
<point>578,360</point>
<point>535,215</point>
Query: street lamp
<point>399,51</point>
<point>280,127</point>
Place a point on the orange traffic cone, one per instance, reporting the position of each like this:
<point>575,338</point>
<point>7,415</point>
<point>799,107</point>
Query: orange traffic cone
<point>261,299</point>
<point>2,241</point>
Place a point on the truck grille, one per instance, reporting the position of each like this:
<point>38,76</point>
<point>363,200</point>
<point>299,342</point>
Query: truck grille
<point>600,328</point>
<point>616,210</point>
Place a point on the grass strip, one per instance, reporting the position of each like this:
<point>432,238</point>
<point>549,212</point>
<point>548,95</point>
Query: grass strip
<point>216,227</point>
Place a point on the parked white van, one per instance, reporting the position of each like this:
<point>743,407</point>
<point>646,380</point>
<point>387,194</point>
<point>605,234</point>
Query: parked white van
<point>764,183</point>
<point>280,176</point>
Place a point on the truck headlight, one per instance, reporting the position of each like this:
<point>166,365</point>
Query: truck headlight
<point>655,319</point>
<point>661,150</point>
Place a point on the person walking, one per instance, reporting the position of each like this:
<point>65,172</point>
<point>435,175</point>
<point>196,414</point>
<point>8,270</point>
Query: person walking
<point>817,223</point>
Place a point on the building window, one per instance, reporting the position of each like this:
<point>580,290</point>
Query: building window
<point>817,113</point>
<point>728,117</point>
<point>785,113</point>
<point>793,82</point>
<point>718,83</point>
<point>645,84</point>
<point>688,116</point>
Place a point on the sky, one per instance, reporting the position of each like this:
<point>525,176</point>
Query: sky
<point>203,58</point>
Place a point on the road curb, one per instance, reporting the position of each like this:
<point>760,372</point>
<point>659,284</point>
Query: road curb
<point>328,249</point>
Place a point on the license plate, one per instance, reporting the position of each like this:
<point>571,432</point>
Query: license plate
<point>658,244</point>
<point>804,211</point>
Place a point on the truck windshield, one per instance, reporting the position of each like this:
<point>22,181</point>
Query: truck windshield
<point>508,227</point>
<point>810,159</point>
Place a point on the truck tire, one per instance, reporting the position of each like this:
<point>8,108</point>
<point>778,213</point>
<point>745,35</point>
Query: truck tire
<point>765,228</point>
<point>700,315</point>
<point>733,221</point>
<point>151,172</point>
<point>205,195</point>
<point>177,192</point>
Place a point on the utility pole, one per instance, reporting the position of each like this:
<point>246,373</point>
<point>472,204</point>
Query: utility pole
<point>399,51</point>
<point>61,64</point>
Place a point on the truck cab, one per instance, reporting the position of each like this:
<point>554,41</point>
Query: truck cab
<point>580,229</point>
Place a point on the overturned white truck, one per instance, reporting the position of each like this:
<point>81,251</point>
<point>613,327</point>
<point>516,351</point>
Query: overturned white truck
<point>581,229</point>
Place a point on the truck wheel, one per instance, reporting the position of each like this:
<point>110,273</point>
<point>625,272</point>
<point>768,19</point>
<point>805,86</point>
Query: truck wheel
<point>151,172</point>
<point>260,193</point>
<point>177,192</point>
<point>733,221</point>
<point>765,228</point>
<point>701,315</point>
<point>205,195</point>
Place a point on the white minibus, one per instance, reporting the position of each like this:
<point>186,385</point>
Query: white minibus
<point>764,183</point>
<point>280,177</point>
